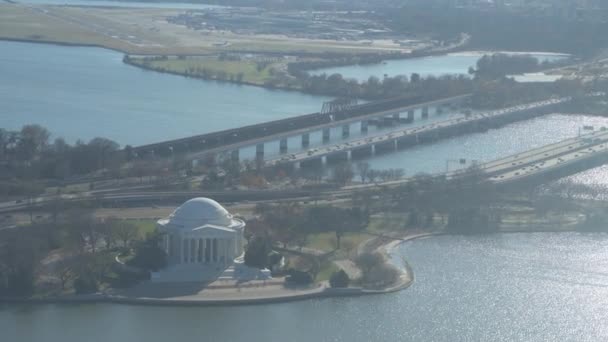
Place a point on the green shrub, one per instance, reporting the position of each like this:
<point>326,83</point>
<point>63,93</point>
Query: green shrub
<point>339,279</point>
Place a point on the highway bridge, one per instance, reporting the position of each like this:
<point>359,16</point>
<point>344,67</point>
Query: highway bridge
<point>412,136</point>
<point>232,140</point>
<point>528,168</point>
<point>552,161</point>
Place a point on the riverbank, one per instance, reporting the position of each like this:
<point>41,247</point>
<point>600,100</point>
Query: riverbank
<point>235,75</point>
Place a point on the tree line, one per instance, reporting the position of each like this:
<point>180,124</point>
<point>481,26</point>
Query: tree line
<point>500,64</point>
<point>28,154</point>
<point>79,253</point>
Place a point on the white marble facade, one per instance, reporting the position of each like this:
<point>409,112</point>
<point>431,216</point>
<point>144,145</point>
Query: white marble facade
<point>199,237</point>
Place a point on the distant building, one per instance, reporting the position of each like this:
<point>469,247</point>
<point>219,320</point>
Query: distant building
<point>201,240</point>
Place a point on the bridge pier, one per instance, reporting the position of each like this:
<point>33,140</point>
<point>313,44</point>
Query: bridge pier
<point>297,165</point>
<point>364,125</point>
<point>305,140</point>
<point>349,155</point>
<point>346,131</point>
<point>259,151</point>
<point>323,160</point>
<point>373,149</point>
<point>234,155</point>
<point>425,112</point>
<point>410,116</point>
<point>283,146</point>
<point>326,133</point>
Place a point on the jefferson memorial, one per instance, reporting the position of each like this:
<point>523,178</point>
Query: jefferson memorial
<point>201,239</point>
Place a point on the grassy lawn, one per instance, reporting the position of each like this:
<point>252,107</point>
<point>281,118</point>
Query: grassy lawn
<point>248,68</point>
<point>388,222</point>
<point>144,226</point>
<point>327,241</point>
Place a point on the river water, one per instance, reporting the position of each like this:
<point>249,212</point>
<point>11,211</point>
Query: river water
<point>449,64</point>
<point>82,92</point>
<point>502,287</point>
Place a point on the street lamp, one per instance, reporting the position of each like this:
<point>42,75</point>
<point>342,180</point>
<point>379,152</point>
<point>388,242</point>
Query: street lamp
<point>585,128</point>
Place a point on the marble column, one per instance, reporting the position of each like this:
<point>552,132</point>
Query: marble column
<point>192,250</point>
<point>181,251</point>
<point>197,249</point>
<point>185,253</point>
<point>203,241</point>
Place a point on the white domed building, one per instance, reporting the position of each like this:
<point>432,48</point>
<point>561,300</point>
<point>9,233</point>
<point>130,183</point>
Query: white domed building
<point>201,239</point>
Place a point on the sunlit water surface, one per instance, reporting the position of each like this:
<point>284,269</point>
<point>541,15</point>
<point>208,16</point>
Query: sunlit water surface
<point>504,287</point>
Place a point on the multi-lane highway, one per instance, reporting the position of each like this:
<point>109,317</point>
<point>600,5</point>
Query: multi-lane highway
<point>432,130</point>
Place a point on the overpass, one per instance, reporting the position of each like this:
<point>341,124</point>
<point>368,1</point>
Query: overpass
<point>232,140</point>
<point>393,140</point>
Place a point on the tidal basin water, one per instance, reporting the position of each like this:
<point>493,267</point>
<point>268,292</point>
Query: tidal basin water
<point>501,287</point>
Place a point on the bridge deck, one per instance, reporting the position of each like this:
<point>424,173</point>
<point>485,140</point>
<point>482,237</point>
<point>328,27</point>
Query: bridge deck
<point>577,150</point>
<point>319,152</point>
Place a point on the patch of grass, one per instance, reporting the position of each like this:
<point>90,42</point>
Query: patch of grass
<point>144,226</point>
<point>326,270</point>
<point>18,22</point>
<point>249,69</point>
<point>327,241</point>
<point>386,222</point>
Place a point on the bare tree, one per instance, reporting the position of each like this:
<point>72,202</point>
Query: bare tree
<point>363,169</point>
<point>64,271</point>
<point>125,232</point>
<point>343,173</point>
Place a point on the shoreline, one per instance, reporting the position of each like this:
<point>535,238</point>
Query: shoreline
<point>320,291</point>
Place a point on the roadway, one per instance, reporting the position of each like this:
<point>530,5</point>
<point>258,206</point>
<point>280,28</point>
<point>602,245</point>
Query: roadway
<point>319,152</point>
<point>581,151</point>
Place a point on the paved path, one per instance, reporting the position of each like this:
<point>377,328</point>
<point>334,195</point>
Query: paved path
<point>218,290</point>
<point>349,267</point>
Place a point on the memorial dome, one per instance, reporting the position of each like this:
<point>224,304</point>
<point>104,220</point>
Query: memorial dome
<point>200,211</point>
